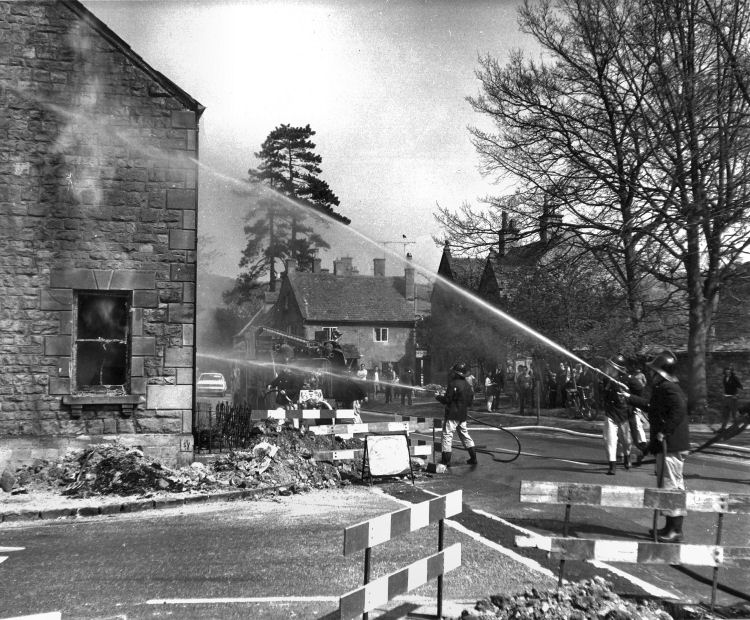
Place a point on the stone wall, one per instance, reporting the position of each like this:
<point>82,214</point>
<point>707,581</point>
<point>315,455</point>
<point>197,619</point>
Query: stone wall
<point>98,192</point>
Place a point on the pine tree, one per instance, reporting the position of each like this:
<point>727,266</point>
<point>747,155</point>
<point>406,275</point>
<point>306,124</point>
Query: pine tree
<point>278,226</point>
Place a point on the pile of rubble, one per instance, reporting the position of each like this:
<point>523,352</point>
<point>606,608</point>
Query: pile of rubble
<point>591,599</point>
<point>275,456</point>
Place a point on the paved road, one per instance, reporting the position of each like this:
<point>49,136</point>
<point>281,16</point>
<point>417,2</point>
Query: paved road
<point>492,490</point>
<point>280,558</point>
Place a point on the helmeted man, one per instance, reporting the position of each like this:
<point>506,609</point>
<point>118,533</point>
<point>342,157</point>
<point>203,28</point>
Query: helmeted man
<point>456,399</point>
<point>618,411</point>
<point>667,412</point>
<point>289,381</point>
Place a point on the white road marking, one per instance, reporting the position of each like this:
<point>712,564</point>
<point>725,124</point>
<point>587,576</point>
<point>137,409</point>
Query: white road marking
<point>3,558</point>
<point>52,615</point>
<point>645,585</point>
<point>9,549</point>
<point>255,599</point>
<point>485,541</point>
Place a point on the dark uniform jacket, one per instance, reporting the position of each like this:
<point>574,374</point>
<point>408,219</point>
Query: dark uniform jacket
<point>290,381</point>
<point>667,413</point>
<point>457,398</point>
<point>615,406</point>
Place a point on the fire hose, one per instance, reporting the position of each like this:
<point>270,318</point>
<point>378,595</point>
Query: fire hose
<point>493,452</point>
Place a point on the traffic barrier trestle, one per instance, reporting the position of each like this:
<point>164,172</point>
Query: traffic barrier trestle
<point>368,534</point>
<point>641,552</point>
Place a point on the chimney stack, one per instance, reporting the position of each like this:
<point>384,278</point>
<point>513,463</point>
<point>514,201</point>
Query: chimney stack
<point>291,265</point>
<point>378,267</point>
<point>409,288</point>
<point>316,265</point>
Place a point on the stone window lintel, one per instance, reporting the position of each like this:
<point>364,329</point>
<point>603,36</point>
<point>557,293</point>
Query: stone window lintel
<point>127,403</point>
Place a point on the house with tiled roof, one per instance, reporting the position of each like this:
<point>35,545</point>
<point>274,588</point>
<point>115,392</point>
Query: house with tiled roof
<point>376,314</point>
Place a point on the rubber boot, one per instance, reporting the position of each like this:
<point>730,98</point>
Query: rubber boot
<point>663,530</point>
<point>446,459</point>
<point>472,456</point>
<point>626,460</point>
<point>674,535</point>
<point>611,470</point>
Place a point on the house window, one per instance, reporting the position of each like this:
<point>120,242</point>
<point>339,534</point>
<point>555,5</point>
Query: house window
<point>381,334</point>
<point>328,332</point>
<point>102,338</point>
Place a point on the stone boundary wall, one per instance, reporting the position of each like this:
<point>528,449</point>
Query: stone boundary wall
<point>98,192</point>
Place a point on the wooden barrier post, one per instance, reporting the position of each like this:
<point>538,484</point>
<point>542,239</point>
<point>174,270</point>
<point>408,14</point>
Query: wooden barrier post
<point>368,551</point>
<point>561,569</point>
<point>441,534</point>
<point>715,581</point>
<point>368,534</point>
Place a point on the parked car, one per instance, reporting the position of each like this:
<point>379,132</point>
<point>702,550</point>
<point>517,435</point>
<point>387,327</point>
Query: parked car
<point>211,384</point>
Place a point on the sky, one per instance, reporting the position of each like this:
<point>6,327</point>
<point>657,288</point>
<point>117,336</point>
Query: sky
<point>382,82</point>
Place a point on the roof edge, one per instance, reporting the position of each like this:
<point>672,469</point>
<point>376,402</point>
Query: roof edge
<point>86,15</point>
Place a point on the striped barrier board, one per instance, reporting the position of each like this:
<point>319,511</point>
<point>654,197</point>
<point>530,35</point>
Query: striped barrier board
<point>421,421</point>
<point>639,552</point>
<point>378,592</point>
<point>633,497</point>
<point>348,455</point>
<point>304,414</point>
<point>385,527</point>
<point>358,429</point>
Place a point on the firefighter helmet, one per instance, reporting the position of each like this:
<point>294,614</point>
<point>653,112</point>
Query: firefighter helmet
<point>618,362</point>
<point>664,364</point>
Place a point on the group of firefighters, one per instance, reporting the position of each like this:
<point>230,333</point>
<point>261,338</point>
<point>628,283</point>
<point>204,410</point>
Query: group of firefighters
<point>622,397</point>
<point>624,402</point>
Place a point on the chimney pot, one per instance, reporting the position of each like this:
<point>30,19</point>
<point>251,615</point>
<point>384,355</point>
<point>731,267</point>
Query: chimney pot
<point>409,288</point>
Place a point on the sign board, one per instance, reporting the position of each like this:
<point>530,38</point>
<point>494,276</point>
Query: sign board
<point>387,455</point>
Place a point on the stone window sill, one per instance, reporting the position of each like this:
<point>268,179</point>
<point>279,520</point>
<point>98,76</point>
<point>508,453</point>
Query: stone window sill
<point>127,403</point>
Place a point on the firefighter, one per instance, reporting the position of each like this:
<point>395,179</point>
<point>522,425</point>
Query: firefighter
<point>456,399</point>
<point>670,435</point>
<point>289,381</point>
<point>617,424</point>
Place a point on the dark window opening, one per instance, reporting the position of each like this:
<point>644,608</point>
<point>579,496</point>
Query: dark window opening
<point>101,356</point>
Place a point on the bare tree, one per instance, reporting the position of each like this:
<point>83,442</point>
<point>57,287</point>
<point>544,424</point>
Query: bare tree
<point>634,127</point>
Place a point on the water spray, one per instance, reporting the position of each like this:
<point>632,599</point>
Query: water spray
<point>264,191</point>
<point>451,285</point>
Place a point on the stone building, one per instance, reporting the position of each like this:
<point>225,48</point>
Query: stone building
<point>98,197</point>
<point>376,314</point>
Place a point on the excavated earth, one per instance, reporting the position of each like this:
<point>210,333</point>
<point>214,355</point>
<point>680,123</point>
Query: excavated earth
<point>279,458</point>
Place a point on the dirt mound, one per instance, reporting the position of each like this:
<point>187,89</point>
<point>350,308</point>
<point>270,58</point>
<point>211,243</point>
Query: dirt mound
<point>590,599</point>
<point>274,456</point>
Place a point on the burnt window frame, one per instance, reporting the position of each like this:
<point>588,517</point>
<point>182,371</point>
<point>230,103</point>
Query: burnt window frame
<point>102,389</point>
